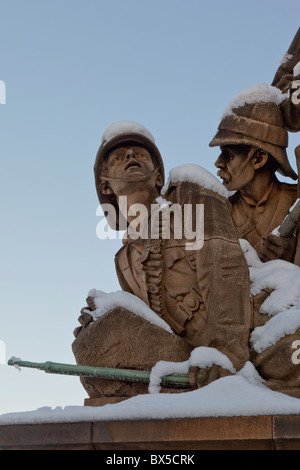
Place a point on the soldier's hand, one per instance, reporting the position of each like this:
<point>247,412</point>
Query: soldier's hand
<point>278,248</point>
<point>201,377</point>
<point>85,317</point>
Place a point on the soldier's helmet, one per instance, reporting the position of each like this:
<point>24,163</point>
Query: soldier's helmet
<point>254,118</point>
<point>116,135</point>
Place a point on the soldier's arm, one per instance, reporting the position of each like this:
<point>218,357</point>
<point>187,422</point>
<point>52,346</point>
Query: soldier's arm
<point>275,247</point>
<point>288,82</point>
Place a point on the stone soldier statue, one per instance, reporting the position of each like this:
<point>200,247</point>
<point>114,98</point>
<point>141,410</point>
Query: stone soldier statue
<point>203,294</point>
<point>253,140</point>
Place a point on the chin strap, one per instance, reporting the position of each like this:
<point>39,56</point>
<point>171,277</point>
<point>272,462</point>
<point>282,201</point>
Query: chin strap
<point>250,155</point>
<point>138,178</point>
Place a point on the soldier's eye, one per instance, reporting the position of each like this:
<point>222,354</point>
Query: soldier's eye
<point>227,157</point>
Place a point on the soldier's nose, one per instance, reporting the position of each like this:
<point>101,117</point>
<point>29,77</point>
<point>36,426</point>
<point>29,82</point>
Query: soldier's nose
<point>129,154</point>
<point>219,163</point>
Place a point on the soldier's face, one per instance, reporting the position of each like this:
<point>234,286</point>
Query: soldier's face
<point>129,167</point>
<point>124,162</point>
<point>235,168</point>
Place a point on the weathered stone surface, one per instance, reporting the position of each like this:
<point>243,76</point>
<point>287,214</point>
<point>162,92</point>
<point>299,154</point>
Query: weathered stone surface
<point>237,433</point>
<point>69,436</point>
<point>286,432</point>
<point>121,339</point>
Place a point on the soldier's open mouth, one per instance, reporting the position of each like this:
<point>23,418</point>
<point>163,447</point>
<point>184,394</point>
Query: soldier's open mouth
<point>133,164</point>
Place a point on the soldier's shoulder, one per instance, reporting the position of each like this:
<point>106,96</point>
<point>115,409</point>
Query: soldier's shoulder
<point>182,192</point>
<point>288,187</point>
<point>288,190</point>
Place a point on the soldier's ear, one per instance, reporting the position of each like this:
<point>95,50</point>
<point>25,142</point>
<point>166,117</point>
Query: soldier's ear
<point>105,188</point>
<point>260,159</point>
<point>159,181</point>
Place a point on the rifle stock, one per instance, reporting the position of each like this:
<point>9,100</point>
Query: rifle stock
<point>291,221</point>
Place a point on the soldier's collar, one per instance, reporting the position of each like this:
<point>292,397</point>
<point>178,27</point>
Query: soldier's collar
<point>251,202</point>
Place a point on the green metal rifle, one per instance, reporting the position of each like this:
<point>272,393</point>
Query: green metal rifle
<point>128,375</point>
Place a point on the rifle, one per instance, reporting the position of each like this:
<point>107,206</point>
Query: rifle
<point>127,375</point>
<point>289,224</point>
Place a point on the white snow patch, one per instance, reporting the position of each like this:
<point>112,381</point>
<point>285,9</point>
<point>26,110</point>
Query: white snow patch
<point>125,127</point>
<point>283,303</point>
<point>250,373</point>
<point>261,93</point>
<point>297,200</point>
<point>106,302</point>
<point>202,357</point>
<point>96,293</point>
<point>250,254</point>
<point>286,58</point>
<point>162,202</point>
<point>283,278</point>
<point>16,361</point>
<point>163,368</point>
<point>284,323</point>
<point>195,174</point>
<point>229,396</point>
<point>296,70</point>
<point>275,232</point>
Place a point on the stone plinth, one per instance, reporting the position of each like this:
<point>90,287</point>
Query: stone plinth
<point>257,432</point>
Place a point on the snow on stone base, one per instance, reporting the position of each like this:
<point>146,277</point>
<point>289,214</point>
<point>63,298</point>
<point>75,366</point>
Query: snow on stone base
<point>284,323</point>
<point>106,302</point>
<point>283,304</point>
<point>229,396</point>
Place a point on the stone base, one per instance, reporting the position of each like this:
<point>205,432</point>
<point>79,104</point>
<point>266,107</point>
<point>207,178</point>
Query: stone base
<point>232,433</point>
<point>103,401</point>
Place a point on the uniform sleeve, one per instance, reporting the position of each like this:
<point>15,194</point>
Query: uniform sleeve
<point>223,278</point>
<point>283,80</point>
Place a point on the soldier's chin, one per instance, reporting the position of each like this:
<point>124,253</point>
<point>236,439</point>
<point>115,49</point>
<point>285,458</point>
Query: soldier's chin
<point>225,182</point>
<point>136,176</point>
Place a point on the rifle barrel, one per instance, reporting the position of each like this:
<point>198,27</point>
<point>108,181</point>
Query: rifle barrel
<point>128,375</point>
<point>290,222</point>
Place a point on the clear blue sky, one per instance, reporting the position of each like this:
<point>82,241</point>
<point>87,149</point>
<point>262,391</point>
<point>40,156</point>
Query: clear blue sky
<point>71,68</point>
